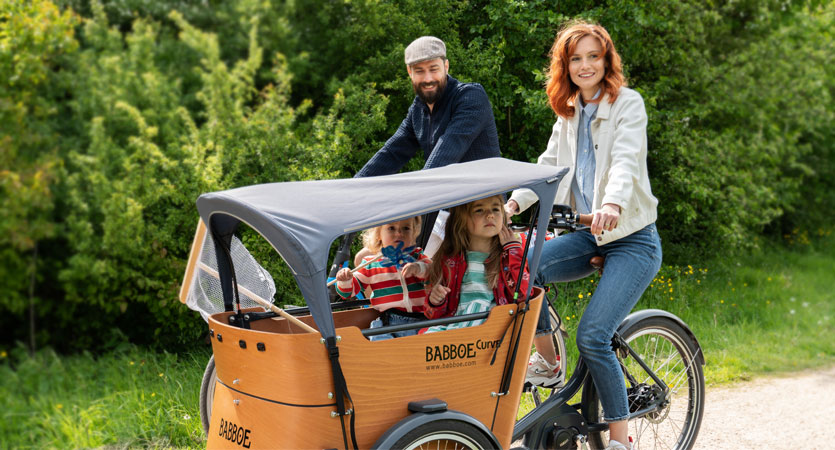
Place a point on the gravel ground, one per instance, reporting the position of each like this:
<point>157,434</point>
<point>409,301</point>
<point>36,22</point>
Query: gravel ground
<point>793,411</point>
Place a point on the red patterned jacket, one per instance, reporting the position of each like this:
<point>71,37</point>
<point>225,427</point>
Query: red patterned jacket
<point>454,269</point>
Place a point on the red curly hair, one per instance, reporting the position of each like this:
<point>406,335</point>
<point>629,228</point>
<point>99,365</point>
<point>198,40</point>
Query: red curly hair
<point>559,87</point>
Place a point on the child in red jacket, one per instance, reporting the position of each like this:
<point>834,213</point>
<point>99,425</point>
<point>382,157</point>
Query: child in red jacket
<point>477,265</point>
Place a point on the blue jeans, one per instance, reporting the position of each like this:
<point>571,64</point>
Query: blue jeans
<point>630,264</point>
<point>393,318</point>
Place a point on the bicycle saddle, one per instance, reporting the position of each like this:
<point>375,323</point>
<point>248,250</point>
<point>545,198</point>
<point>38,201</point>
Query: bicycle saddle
<point>597,263</point>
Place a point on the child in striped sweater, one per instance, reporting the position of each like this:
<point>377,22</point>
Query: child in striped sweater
<point>477,265</point>
<point>386,281</point>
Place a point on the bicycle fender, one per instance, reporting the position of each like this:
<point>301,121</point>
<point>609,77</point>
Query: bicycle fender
<point>398,430</point>
<point>647,313</point>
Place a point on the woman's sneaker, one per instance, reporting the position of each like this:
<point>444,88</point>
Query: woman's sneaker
<point>541,373</point>
<point>615,445</point>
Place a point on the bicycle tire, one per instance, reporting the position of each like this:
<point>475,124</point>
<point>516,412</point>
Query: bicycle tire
<point>450,434</point>
<point>671,353</point>
<point>207,394</point>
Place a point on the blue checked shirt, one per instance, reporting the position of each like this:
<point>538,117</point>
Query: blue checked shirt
<point>460,128</point>
<point>582,187</point>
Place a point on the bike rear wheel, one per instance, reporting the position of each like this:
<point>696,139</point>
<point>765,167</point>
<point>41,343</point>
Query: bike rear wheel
<point>671,354</point>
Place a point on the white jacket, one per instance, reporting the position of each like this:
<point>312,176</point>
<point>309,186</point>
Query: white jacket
<point>619,132</point>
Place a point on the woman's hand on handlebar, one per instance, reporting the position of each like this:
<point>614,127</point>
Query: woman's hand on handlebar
<point>605,218</point>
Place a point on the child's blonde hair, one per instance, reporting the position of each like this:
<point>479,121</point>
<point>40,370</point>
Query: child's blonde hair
<point>371,237</point>
<point>457,241</point>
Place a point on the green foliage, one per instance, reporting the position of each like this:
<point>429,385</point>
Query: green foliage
<point>143,138</point>
<point>127,398</point>
<point>768,315</point>
<point>116,115</point>
<point>35,41</point>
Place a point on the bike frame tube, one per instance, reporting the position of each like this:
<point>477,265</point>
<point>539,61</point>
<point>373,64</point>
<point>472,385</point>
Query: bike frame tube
<point>622,343</point>
<point>536,423</point>
<point>531,424</point>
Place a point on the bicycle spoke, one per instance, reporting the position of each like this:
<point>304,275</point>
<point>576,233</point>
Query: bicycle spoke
<point>640,433</point>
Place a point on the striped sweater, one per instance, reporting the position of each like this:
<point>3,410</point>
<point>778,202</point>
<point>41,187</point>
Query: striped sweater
<point>386,287</point>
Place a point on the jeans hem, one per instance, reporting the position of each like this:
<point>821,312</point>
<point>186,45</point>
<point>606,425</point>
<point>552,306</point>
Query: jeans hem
<point>607,420</point>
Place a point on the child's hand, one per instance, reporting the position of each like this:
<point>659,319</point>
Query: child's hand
<point>344,275</point>
<point>439,292</point>
<point>412,270</point>
<point>505,236</point>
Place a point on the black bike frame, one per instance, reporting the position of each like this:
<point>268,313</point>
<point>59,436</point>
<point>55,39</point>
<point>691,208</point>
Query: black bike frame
<point>538,422</point>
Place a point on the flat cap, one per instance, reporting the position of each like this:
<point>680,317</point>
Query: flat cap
<point>425,48</point>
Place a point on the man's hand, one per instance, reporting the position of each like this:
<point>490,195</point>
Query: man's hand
<point>438,294</point>
<point>605,219</point>
<point>511,208</point>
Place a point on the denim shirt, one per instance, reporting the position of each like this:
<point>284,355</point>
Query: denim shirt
<point>459,128</point>
<point>582,187</point>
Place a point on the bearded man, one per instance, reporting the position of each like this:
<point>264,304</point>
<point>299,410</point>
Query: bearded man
<point>450,121</point>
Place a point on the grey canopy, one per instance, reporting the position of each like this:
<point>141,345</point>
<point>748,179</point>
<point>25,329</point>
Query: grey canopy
<point>302,219</point>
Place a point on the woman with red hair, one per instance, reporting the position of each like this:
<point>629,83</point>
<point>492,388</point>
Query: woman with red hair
<point>600,135</point>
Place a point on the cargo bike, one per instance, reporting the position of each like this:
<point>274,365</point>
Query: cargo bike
<point>312,379</point>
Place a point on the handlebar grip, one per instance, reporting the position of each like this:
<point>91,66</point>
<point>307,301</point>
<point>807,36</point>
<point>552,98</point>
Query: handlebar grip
<point>585,219</point>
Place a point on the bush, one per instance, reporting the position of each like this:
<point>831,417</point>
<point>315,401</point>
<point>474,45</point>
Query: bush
<point>115,116</point>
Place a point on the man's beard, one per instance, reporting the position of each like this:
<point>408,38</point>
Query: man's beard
<point>430,99</point>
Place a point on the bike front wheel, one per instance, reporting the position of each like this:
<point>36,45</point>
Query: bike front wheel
<point>444,434</point>
<point>207,394</point>
<point>671,353</point>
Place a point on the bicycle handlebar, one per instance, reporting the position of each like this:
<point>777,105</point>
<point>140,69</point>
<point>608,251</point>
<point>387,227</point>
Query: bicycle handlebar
<point>564,218</point>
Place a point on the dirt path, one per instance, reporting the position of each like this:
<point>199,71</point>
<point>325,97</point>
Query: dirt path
<point>794,411</point>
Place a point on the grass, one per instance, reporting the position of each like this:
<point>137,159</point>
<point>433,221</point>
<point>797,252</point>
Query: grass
<point>767,312</point>
<point>125,399</point>
<point>764,313</point>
